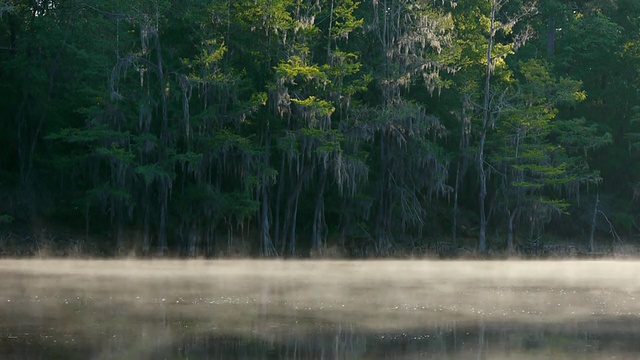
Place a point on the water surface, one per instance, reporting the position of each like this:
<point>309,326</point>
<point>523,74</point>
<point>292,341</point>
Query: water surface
<point>52,309</point>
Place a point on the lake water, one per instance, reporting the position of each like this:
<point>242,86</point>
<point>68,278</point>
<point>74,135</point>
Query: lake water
<point>52,309</point>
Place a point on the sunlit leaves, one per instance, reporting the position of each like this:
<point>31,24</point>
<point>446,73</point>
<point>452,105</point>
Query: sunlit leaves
<point>345,20</point>
<point>270,16</point>
<point>296,69</point>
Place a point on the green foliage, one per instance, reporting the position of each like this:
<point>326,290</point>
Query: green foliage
<point>89,135</point>
<point>345,20</point>
<point>277,116</point>
<point>151,173</point>
<point>540,156</point>
<point>579,137</point>
<point>5,219</point>
<point>115,152</point>
<point>295,69</point>
<point>103,193</point>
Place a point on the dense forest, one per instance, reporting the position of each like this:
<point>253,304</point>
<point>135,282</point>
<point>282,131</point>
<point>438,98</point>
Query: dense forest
<point>318,127</point>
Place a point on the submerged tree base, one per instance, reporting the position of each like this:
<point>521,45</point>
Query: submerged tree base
<point>45,243</point>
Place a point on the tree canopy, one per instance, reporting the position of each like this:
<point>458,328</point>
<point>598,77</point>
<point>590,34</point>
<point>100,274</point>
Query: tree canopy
<point>288,127</point>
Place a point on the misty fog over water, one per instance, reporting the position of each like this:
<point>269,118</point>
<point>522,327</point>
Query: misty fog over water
<point>54,309</point>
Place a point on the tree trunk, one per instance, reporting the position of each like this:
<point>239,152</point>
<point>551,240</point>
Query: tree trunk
<point>329,60</point>
<point>210,240</point>
<point>229,223</point>
<point>86,220</point>
<point>13,34</point>
<point>593,223</point>
<point>551,36</point>
<point>278,238</point>
<point>292,236</point>
<point>454,226</point>
<point>265,239</point>
<point>483,135</point>
<point>120,243</point>
<point>163,87</point>
<point>384,202</point>
<point>285,227</point>
<point>292,206</point>
<point>318,217</point>
<point>162,228</point>
<point>465,124</point>
<point>164,136</point>
<point>27,157</point>
<point>193,239</point>
<point>267,246</point>
<point>510,228</point>
<point>384,220</point>
<point>146,237</point>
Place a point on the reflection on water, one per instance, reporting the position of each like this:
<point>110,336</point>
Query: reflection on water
<point>318,310</point>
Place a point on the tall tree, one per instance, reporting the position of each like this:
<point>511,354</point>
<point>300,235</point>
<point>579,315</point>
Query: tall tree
<point>536,155</point>
<point>415,46</point>
<point>488,115</point>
